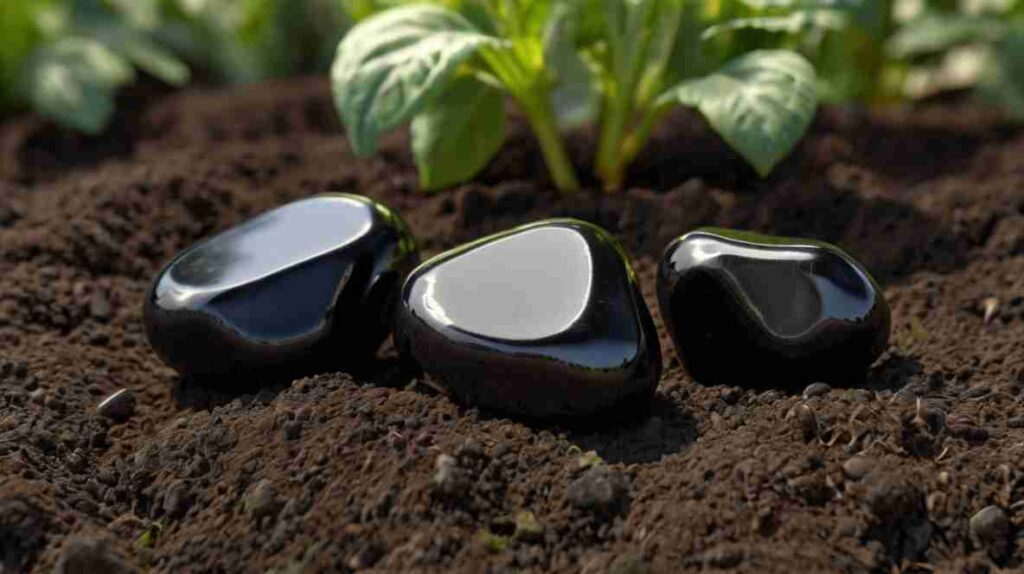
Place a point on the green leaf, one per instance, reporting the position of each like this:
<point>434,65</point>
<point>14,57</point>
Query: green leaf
<point>143,14</point>
<point>155,60</point>
<point>21,31</point>
<point>761,103</point>
<point>73,81</point>
<point>933,33</point>
<point>392,65</point>
<point>457,135</point>
<point>1003,80</point>
<point>574,98</point>
<point>793,23</point>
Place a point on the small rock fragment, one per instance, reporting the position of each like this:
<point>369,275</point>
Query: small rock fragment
<point>176,499</point>
<point>631,563</point>
<point>292,430</point>
<point>992,528</point>
<point>817,390</point>
<point>448,478</point>
<point>76,461</point>
<point>857,467</point>
<point>808,422</point>
<point>600,490</point>
<point>989,306</point>
<point>88,556</point>
<point>119,406</point>
<point>723,557</point>
<point>262,500</point>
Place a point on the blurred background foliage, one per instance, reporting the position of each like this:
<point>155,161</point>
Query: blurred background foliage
<point>67,59</point>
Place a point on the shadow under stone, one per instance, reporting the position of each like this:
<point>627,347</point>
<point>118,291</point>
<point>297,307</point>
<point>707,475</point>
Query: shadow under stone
<point>640,435</point>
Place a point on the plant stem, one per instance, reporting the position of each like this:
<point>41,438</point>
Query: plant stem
<point>609,164</point>
<point>542,120</point>
<point>637,139</point>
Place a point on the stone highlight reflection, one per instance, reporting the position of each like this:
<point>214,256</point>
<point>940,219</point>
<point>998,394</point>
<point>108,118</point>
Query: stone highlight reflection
<point>542,320</point>
<point>309,285</point>
<point>763,311</point>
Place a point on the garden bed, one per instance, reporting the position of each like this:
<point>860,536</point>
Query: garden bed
<point>338,471</point>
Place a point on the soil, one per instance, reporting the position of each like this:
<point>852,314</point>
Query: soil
<point>376,469</point>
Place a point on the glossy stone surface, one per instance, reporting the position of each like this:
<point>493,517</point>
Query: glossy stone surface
<point>763,311</point>
<point>306,286</point>
<point>545,319</point>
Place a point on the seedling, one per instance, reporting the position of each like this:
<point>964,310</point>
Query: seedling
<point>447,68</point>
<point>67,59</point>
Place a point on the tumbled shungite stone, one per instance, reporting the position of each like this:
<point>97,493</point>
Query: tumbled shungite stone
<point>309,285</point>
<point>763,311</point>
<point>545,319</point>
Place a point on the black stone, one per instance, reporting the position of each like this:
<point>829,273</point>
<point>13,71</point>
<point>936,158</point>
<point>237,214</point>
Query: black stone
<point>119,406</point>
<point>542,320</point>
<point>763,311</point>
<point>307,286</point>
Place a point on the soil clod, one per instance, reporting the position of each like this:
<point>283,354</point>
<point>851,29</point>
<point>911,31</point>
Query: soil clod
<point>601,490</point>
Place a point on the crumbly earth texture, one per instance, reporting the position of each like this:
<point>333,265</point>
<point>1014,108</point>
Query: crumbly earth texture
<point>376,469</point>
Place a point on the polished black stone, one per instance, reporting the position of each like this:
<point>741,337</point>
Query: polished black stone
<point>763,311</point>
<point>308,285</point>
<point>545,319</point>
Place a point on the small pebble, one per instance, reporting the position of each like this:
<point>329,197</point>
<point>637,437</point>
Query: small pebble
<point>808,422</point>
<point>600,490</point>
<point>262,500</point>
<point>991,526</point>
<point>87,555</point>
<point>1015,422</point>
<point>292,430</point>
<point>631,563</point>
<point>448,477</point>
<point>816,390</point>
<point>857,467</point>
<point>990,305</point>
<point>119,406</point>
<point>76,461</point>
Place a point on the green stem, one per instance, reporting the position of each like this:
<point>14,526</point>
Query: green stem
<point>875,59</point>
<point>542,120</point>
<point>637,139</point>
<point>613,127</point>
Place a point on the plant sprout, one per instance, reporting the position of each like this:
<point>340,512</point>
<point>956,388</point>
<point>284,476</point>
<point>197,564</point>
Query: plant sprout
<point>447,67</point>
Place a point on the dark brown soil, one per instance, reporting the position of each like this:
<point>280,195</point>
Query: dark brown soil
<point>345,471</point>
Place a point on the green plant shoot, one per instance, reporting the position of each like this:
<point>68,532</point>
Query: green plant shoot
<point>448,66</point>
